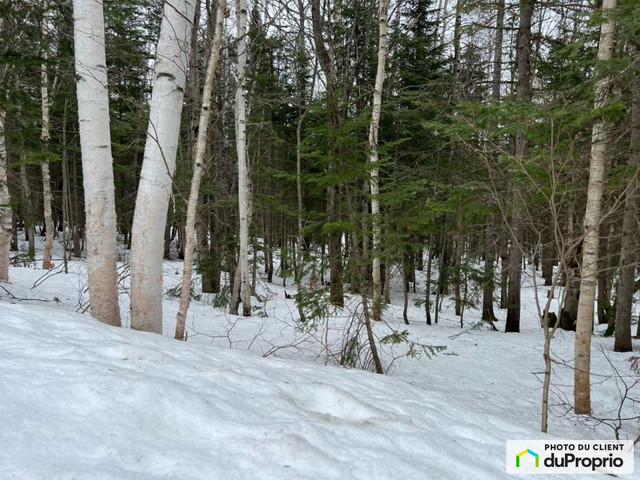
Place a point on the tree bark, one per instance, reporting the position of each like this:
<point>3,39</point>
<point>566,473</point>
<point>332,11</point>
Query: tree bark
<point>496,80</point>
<point>95,144</point>
<point>592,217</point>
<point>488,313</point>
<point>194,194</point>
<point>383,8</point>
<point>327,63</point>
<point>29,230</point>
<point>156,176</point>
<point>488,282</point>
<point>549,255</point>
<point>244,199</point>
<point>523,93</point>
<point>5,205</point>
<point>628,249</point>
<point>45,135</point>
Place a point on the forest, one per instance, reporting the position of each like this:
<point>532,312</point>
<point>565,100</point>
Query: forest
<point>459,148</point>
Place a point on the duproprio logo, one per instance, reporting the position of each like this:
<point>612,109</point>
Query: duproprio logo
<point>544,457</point>
<point>530,452</point>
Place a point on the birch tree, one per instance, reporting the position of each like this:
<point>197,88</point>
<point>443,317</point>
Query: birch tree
<point>158,165</point>
<point>600,139</point>
<point>244,207</point>
<point>383,8</point>
<point>45,136</point>
<point>97,162</point>
<point>201,146</point>
<point>5,205</point>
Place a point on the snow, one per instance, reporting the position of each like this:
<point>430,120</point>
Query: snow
<point>83,400</point>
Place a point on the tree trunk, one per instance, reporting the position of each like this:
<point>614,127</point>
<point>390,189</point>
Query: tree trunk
<point>488,283</point>
<point>504,275</point>
<point>592,217</point>
<point>496,81</point>
<point>45,135</point>
<point>427,294</point>
<point>523,93</point>
<point>327,63</point>
<point>78,232</point>
<point>204,255</point>
<point>605,311</point>
<point>166,245</point>
<point>65,191</point>
<point>244,200</point>
<point>569,310</point>
<point>549,255</point>
<point>406,275</point>
<point>457,274</point>
<point>383,7</point>
<point>194,194</point>
<point>234,302</point>
<point>300,259</point>
<point>13,243</point>
<point>5,205</point>
<point>29,229</point>
<point>629,243</point>
<point>95,145</point>
<point>158,165</point>
<point>387,282</point>
<point>488,313</point>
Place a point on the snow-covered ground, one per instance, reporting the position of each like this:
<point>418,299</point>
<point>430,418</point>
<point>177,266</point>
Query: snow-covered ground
<point>261,398</point>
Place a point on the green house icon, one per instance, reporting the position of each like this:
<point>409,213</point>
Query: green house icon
<point>530,452</point>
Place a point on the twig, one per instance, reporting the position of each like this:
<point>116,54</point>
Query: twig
<point>13,297</point>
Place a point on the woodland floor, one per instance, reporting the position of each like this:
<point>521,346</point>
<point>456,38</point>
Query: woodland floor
<point>262,398</point>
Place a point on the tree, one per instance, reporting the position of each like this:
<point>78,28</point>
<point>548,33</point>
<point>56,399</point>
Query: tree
<point>46,137</point>
<point>628,250</point>
<point>373,156</point>
<point>523,94</point>
<point>600,139</point>
<point>5,204</point>
<point>242,287</point>
<point>335,119</point>
<point>198,159</point>
<point>490,240</point>
<point>97,163</point>
<point>156,176</point>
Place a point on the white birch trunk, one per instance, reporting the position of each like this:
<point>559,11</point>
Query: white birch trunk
<point>45,135</point>
<point>383,8</point>
<point>201,146</point>
<point>5,198</point>
<point>243,172</point>
<point>156,176</point>
<point>590,245</point>
<point>5,206</point>
<point>97,162</point>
